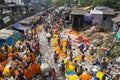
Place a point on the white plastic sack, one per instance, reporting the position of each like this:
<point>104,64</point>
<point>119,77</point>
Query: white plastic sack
<point>48,35</point>
<point>45,67</point>
<point>118,59</point>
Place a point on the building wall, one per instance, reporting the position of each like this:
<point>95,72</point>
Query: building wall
<point>1,1</point>
<point>107,23</point>
<point>19,2</point>
<point>77,21</point>
<point>97,18</point>
<point>35,1</point>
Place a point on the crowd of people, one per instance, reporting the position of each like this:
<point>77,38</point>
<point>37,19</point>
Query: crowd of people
<point>20,61</point>
<point>104,65</point>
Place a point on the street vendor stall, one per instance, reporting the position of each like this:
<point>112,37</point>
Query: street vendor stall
<point>26,22</point>
<point>18,27</point>
<point>6,36</point>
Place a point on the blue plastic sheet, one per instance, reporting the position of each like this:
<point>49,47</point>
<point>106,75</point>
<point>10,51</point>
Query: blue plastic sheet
<point>118,36</point>
<point>18,26</point>
<point>70,73</point>
<point>9,41</point>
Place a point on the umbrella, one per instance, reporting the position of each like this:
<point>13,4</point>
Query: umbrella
<point>99,75</point>
<point>85,77</point>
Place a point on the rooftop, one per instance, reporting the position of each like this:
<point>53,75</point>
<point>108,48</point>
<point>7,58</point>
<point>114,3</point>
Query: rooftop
<point>116,19</point>
<point>78,12</point>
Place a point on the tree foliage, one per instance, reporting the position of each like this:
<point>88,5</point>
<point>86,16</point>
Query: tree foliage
<point>109,3</point>
<point>61,2</point>
<point>48,3</point>
<point>84,3</point>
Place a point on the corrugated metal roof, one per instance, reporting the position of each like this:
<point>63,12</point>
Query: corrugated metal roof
<point>103,8</point>
<point>78,12</point>
<point>106,12</point>
<point>96,12</point>
<point>2,6</point>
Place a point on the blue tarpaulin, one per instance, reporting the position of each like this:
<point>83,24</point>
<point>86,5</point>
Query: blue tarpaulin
<point>7,39</point>
<point>19,27</point>
<point>70,73</point>
<point>118,36</point>
<point>6,36</point>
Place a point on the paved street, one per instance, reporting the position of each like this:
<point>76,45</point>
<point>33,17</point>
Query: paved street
<point>47,51</point>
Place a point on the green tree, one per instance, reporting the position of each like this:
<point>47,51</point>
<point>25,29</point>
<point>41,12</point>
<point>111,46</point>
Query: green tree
<point>84,3</point>
<point>62,2</point>
<point>109,3</point>
<point>48,3</point>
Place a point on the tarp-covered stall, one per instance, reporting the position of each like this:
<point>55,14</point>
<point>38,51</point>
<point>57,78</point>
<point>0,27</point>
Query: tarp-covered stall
<point>26,22</point>
<point>18,27</point>
<point>6,36</point>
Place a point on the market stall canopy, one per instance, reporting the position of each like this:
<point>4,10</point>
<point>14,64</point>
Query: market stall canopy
<point>19,27</point>
<point>26,21</point>
<point>30,20</point>
<point>4,34</point>
<point>34,18</point>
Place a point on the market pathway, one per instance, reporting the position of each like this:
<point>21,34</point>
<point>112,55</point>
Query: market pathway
<point>47,52</point>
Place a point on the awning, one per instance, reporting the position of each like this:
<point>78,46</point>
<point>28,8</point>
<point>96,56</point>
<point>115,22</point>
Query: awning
<point>26,21</point>
<point>4,34</point>
<point>19,27</point>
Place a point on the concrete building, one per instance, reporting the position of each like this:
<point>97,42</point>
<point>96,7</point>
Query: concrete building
<point>18,2</point>
<point>102,16</point>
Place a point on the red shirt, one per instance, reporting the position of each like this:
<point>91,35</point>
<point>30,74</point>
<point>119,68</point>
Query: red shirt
<point>37,48</point>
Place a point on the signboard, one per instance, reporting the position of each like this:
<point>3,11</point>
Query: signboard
<point>6,19</point>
